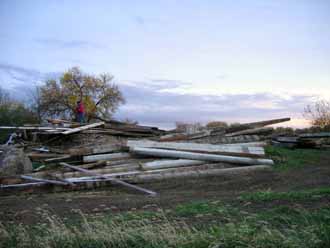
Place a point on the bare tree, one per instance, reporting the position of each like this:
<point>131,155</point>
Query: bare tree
<point>35,102</point>
<point>318,113</point>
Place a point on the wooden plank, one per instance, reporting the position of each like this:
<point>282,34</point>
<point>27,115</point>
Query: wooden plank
<point>118,181</point>
<point>161,164</point>
<point>170,174</point>
<point>315,135</point>
<point>256,124</point>
<point>100,171</point>
<point>200,156</point>
<point>288,139</point>
<point>107,148</point>
<point>198,147</point>
<point>259,130</point>
<point>21,185</point>
<point>34,128</point>
<point>50,160</point>
<point>44,180</point>
<point>35,155</point>
<point>108,156</point>
<point>82,128</point>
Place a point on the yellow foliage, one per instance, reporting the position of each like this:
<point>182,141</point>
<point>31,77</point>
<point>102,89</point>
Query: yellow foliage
<point>99,97</point>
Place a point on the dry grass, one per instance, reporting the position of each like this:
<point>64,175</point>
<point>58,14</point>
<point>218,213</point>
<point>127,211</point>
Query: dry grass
<point>277,228</point>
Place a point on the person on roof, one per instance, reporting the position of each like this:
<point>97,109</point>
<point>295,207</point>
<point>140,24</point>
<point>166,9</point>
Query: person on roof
<point>80,111</point>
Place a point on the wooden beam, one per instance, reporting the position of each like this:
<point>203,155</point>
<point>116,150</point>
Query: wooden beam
<point>198,147</point>
<point>198,173</point>
<point>161,164</point>
<point>34,128</point>
<point>118,181</point>
<point>50,160</point>
<point>315,135</point>
<point>259,130</point>
<point>82,128</point>
<point>44,180</point>
<point>199,156</point>
<point>108,156</point>
<point>244,126</point>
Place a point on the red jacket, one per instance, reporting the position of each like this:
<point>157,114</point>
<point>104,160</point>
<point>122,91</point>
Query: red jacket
<point>80,108</point>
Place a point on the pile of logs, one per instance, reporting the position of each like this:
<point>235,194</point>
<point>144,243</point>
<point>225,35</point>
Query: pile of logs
<point>139,161</point>
<point>142,154</point>
<point>306,140</point>
<point>63,128</point>
<point>248,132</point>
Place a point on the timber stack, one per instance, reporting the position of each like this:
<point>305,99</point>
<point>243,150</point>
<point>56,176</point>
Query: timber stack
<point>69,156</point>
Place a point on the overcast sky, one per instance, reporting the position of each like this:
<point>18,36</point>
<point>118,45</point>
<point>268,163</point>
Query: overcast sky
<point>177,60</point>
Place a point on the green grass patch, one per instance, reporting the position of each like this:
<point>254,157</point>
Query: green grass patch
<point>286,159</point>
<point>198,208</point>
<point>290,196</point>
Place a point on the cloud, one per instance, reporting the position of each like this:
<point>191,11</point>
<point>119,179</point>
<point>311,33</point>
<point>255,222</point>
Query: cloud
<point>139,20</point>
<point>13,69</point>
<point>161,108</point>
<point>157,101</point>
<point>20,81</point>
<point>67,44</point>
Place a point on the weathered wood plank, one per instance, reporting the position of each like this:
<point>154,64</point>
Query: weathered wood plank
<point>109,156</point>
<point>160,164</point>
<point>259,130</point>
<point>118,181</point>
<point>82,128</point>
<point>199,156</point>
<point>256,124</point>
<point>44,180</point>
<point>197,147</point>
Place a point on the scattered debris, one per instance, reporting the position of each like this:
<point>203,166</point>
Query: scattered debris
<point>13,161</point>
<point>70,156</point>
<point>306,140</point>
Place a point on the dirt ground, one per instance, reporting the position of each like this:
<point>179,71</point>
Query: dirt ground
<point>26,208</point>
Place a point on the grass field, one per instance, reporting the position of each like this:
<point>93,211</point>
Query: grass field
<point>285,212</point>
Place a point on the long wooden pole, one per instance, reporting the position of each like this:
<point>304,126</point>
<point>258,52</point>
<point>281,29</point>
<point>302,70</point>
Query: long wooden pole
<point>197,147</point>
<point>108,156</point>
<point>79,129</point>
<point>255,124</point>
<point>170,174</point>
<point>118,181</point>
<point>200,156</point>
<point>44,180</point>
<point>160,164</point>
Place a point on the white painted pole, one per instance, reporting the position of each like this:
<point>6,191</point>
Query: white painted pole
<point>197,147</point>
<point>108,156</point>
<point>200,156</point>
<point>161,164</point>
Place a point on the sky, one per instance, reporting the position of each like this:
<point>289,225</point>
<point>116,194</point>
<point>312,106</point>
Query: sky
<point>188,61</point>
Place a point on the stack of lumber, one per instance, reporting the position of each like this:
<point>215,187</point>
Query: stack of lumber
<point>247,132</point>
<point>306,140</point>
<point>133,154</point>
<point>67,128</point>
<point>136,161</point>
